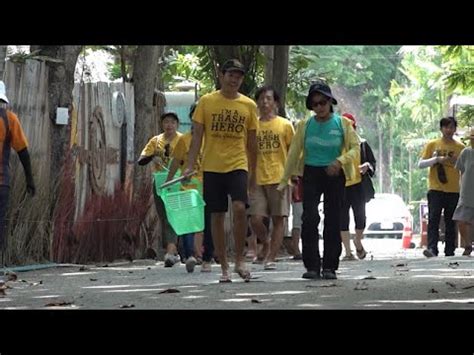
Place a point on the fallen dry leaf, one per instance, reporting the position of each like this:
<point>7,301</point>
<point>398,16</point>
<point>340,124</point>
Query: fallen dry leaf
<point>170,290</point>
<point>467,287</point>
<point>450,284</point>
<point>361,286</point>
<point>93,279</point>
<point>400,265</point>
<point>433,291</point>
<point>127,306</point>
<point>254,300</point>
<point>56,304</point>
<point>453,265</point>
<point>11,276</point>
<point>369,278</point>
<point>332,284</point>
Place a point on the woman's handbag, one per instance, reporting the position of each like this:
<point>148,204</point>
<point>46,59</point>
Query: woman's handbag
<point>367,186</point>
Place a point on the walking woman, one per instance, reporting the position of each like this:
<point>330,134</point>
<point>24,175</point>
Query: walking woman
<point>322,151</point>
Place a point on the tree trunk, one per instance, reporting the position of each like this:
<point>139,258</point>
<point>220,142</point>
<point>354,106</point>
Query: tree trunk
<point>280,75</point>
<point>390,158</point>
<point>268,52</point>
<point>380,165</point>
<point>276,71</point>
<point>3,55</point>
<point>144,81</point>
<point>60,86</point>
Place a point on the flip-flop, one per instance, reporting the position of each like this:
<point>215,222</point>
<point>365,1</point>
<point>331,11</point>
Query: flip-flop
<point>225,278</point>
<point>244,274</point>
<point>270,266</point>
<point>361,254</point>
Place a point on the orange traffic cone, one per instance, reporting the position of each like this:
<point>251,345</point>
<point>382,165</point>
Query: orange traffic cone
<point>406,237</point>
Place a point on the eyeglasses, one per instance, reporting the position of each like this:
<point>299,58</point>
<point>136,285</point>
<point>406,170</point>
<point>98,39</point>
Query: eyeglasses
<point>319,103</point>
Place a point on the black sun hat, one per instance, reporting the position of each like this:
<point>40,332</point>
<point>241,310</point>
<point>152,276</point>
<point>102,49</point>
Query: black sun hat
<point>322,88</point>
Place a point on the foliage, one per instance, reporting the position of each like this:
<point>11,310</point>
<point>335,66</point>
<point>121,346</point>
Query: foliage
<point>300,77</point>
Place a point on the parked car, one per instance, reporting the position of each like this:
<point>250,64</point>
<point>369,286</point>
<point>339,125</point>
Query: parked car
<point>387,215</point>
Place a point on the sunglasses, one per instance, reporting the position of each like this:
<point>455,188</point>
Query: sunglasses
<point>319,103</point>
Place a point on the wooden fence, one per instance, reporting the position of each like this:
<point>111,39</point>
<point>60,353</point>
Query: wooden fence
<point>101,162</point>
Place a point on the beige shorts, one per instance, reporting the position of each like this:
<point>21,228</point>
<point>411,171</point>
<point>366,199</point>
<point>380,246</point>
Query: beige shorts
<point>267,201</point>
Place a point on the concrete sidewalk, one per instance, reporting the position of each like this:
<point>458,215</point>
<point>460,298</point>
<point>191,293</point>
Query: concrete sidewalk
<point>400,279</point>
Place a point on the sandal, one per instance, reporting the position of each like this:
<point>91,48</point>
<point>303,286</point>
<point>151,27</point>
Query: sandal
<point>361,254</point>
<point>244,274</point>
<point>349,257</point>
<point>206,266</point>
<point>225,278</point>
<point>269,266</point>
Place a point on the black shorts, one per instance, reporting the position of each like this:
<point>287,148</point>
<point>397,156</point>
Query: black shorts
<point>217,186</point>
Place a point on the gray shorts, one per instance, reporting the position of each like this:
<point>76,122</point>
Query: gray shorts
<point>464,214</point>
<point>297,208</point>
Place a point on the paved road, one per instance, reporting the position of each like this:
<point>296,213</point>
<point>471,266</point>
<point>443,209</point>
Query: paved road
<point>390,278</point>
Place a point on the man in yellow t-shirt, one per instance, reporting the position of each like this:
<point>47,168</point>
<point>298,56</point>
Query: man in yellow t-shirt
<point>274,136</point>
<point>159,150</point>
<point>228,122</point>
<point>179,161</point>
<point>440,156</point>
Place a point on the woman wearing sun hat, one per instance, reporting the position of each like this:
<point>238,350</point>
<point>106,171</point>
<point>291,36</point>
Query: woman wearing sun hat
<point>322,152</point>
<point>464,212</point>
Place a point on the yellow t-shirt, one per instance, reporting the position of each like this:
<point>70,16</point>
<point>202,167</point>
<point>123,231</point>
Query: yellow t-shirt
<point>442,149</point>
<point>273,141</point>
<point>226,125</point>
<point>180,152</point>
<point>156,145</point>
<point>357,176</point>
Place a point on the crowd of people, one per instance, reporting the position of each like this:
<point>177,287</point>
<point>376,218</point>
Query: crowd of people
<point>243,151</point>
<point>244,155</point>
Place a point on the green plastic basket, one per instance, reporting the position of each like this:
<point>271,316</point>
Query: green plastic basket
<point>185,211</point>
<point>159,178</point>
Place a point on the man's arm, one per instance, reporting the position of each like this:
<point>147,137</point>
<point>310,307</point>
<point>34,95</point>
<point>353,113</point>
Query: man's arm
<point>426,163</point>
<point>144,160</point>
<point>196,142</point>
<point>26,162</point>
<point>252,157</point>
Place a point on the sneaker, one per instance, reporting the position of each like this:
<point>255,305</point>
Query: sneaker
<point>428,253</point>
<point>206,266</point>
<point>329,274</point>
<point>467,251</point>
<point>190,264</point>
<point>312,275</point>
<point>171,259</point>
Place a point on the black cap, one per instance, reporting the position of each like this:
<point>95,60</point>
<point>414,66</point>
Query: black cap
<point>233,64</point>
<point>170,113</point>
<point>322,89</point>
